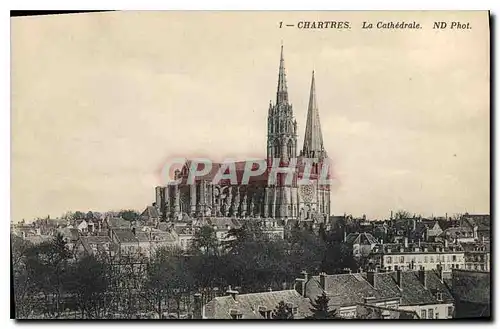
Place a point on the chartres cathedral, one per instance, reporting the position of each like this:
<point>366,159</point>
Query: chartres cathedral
<point>261,198</point>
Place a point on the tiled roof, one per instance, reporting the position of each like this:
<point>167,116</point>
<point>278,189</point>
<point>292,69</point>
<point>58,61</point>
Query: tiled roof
<point>248,304</point>
<point>476,246</point>
<point>118,222</point>
<point>353,288</point>
<point>37,239</point>
<point>124,235</point>
<point>157,235</point>
<point>142,236</point>
<point>238,166</point>
<point>100,241</point>
<point>343,289</point>
<point>150,212</point>
<point>483,222</point>
<point>361,238</point>
<point>96,239</point>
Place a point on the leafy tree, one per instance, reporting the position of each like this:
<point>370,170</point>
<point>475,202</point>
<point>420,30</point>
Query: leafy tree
<point>46,265</point>
<point>79,215</point>
<point>320,309</point>
<point>282,312</point>
<point>338,256</point>
<point>129,215</point>
<point>25,290</point>
<point>166,276</point>
<point>205,240</point>
<point>89,282</point>
<point>402,214</point>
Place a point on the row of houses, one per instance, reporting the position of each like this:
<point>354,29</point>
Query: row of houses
<point>117,237</point>
<point>448,249</point>
<point>418,294</point>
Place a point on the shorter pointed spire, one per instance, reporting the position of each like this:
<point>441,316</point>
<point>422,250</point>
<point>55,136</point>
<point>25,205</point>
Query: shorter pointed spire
<point>313,139</point>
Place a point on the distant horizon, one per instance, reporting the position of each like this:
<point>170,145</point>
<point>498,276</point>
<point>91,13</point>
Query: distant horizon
<point>446,215</point>
<point>101,100</point>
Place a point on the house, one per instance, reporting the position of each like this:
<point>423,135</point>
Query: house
<point>480,224</point>
<point>93,246</point>
<point>477,256</point>
<point>183,236</point>
<point>150,215</point>
<point>362,243</point>
<point>256,305</point>
<point>161,239</point>
<point>345,292</point>
<point>70,236</point>
<point>393,256</point>
<point>117,222</point>
<point>130,243</point>
<point>421,291</point>
<point>458,234</point>
<point>472,293</point>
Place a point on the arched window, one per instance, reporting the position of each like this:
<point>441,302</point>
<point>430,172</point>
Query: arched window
<point>276,148</point>
<point>290,149</point>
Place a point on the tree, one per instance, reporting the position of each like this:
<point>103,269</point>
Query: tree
<point>205,240</point>
<point>402,214</point>
<point>282,312</point>
<point>89,283</point>
<point>129,215</point>
<point>25,290</point>
<point>166,277</point>
<point>320,309</point>
<point>46,265</point>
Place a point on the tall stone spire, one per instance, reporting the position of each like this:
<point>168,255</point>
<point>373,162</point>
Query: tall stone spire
<point>282,93</point>
<point>313,140</point>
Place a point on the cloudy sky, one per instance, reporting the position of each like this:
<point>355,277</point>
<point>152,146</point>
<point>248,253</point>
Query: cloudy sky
<point>101,101</point>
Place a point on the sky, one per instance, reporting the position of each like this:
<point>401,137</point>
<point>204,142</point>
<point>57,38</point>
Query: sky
<point>101,101</point>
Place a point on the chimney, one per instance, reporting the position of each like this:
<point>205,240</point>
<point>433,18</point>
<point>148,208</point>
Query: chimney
<point>322,279</point>
<point>422,276</point>
<point>439,270</point>
<point>233,293</point>
<point>197,310</point>
<point>371,277</point>
<point>398,278</point>
<point>306,276</point>
<point>391,214</point>
<point>406,242</point>
<point>300,286</point>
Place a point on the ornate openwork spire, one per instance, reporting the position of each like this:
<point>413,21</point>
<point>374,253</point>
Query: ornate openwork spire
<point>282,93</point>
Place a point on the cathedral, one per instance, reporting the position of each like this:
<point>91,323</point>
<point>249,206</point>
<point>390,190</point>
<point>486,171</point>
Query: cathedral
<point>261,198</point>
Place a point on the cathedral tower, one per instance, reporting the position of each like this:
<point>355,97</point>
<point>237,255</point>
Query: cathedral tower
<point>281,125</point>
